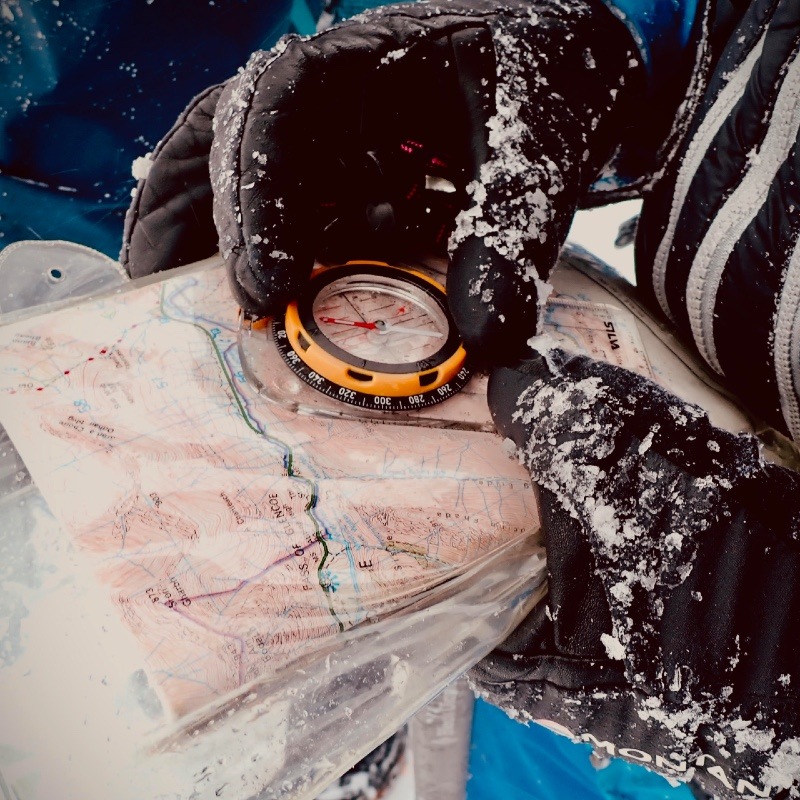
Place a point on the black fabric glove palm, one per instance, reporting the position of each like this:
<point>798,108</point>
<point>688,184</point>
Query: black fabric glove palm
<point>333,145</point>
<point>673,552</point>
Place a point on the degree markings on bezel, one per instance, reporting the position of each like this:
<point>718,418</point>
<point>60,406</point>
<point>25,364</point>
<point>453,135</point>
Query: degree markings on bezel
<point>415,372</point>
<point>422,399</point>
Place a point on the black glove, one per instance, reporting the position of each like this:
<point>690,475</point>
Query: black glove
<point>669,634</point>
<point>325,146</point>
<point>169,222</point>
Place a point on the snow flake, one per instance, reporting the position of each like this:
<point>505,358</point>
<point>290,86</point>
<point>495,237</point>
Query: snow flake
<point>393,55</point>
<point>783,770</point>
<point>140,168</point>
<point>673,540</point>
<point>613,646</point>
<point>622,592</point>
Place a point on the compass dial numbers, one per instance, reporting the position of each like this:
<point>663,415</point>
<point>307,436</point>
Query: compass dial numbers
<point>375,336</point>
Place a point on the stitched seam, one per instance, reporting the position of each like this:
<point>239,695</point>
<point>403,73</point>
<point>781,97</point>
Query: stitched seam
<point>787,345</point>
<point>135,208</point>
<point>738,211</point>
<point>692,159</point>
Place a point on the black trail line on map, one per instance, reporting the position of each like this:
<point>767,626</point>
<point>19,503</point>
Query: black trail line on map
<point>288,459</point>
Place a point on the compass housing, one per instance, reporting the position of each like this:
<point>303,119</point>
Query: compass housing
<point>373,363</point>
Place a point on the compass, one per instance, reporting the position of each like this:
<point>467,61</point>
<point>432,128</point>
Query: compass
<point>375,336</point>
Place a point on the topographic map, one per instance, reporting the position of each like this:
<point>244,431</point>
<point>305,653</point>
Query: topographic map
<point>232,534</point>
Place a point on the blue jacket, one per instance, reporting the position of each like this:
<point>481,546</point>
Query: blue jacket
<point>85,88</point>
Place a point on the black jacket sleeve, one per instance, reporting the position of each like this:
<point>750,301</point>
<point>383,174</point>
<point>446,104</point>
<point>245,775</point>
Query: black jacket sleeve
<point>717,243</point>
<point>670,636</point>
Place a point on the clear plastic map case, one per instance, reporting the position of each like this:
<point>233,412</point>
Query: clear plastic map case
<point>216,596</point>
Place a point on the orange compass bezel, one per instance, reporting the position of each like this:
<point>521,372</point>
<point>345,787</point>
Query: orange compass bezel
<point>366,380</point>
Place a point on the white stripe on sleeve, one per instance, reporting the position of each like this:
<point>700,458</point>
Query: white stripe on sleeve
<point>738,211</point>
<point>692,159</point>
<point>787,345</point>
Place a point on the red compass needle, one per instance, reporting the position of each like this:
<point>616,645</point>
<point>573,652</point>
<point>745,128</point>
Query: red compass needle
<point>370,326</point>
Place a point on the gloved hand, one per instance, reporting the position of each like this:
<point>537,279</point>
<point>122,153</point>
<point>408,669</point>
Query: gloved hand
<point>668,637</point>
<point>327,144</point>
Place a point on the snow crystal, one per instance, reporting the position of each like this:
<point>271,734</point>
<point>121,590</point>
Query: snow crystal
<point>785,679</point>
<point>509,447</point>
<point>393,55</point>
<point>622,592</point>
<point>682,722</point>
<point>677,414</point>
<point>753,157</point>
<point>613,646</point>
<point>734,659</point>
<point>647,441</point>
<point>744,736</point>
<point>783,769</point>
<point>604,522</point>
<point>673,540</point>
<point>140,168</point>
<point>543,343</point>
